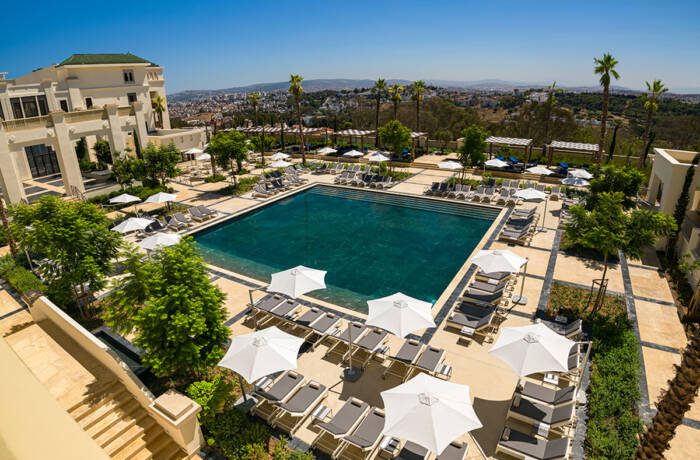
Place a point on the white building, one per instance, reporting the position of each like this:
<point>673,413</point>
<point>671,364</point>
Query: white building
<point>87,96</point>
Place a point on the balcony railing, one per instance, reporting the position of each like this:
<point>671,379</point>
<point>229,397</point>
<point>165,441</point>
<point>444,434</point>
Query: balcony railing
<point>27,123</point>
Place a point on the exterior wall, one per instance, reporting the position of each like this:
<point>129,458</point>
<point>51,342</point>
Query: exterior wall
<point>184,139</point>
<point>669,173</point>
<point>28,411</point>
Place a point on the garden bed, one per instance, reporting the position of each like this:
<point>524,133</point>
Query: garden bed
<point>613,394</point>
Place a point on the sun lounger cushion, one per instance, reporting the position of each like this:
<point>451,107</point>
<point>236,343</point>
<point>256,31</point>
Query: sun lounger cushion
<point>368,431</point>
<point>533,447</point>
<point>285,308</point>
<point>303,399</point>
<point>412,451</point>
<point>372,339</point>
<point>309,317</point>
<point>541,412</point>
<point>269,302</point>
<point>487,287</point>
<point>346,418</point>
<point>454,451</point>
<point>430,359</point>
<point>282,387</point>
<point>324,323</point>
<point>409,351</point>
<point>548,395</point>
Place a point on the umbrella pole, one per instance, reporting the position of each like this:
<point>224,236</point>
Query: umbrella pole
<point>520,299</point>
<point>252,309</point>
<point>544,215</point>
<point>350,374</point>
<point>240,382</point>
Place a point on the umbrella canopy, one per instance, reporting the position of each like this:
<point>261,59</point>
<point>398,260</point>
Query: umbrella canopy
<point>429,412</point>
<point>203,157</point>
<point>280,164</point>
<point>399,314</point>
<point>534,348</point>
<point>132,224</point>
<point>493,261</point>
<point>279,156</point>
<point>326,150</point>
<point>353,154</point>
<point>194,151</point>
<point>449,165</point>
<point>262,353</point>
<point>496,163</point>
<point>124,198</point>
<point>580,173</point>
<point>297,281</point>
<point>530,194</point>
<point>540,170</point>
<point>161,197</point>
<point>575,182</point>
<point>377,157</point>
<point>160,240</point>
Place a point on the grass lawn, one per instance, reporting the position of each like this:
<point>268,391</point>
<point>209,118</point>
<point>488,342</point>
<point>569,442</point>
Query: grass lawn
<point>613,393</point>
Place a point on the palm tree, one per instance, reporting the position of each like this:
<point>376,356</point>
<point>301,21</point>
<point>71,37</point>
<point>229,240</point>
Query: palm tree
<point>551,102</point>
<point>651,104</point>
<point>674,403</point>
<point>396,91</point>
<point>605,67</point>
<point>158,105</point>
<point>254,99</point>
<point>379,89</point>
<point>418,90</point>
<point>296,90</point>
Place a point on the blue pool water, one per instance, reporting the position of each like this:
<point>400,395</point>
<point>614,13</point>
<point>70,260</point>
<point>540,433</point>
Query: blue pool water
<point>371,244</point>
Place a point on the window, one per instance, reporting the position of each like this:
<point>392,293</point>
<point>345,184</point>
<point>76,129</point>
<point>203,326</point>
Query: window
<point>128,76</point>
<point>88,102</point>
<point>31,109</point>
<point>64,105</point>
<point>42,160</point>
<point>43,105</point>
<point>131,97</point>
<point>2,114</point>
<point>16,108</point>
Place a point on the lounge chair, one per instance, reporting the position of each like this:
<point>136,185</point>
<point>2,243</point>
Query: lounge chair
<point>488,287</point>
<point>308,317</point>
<point>523,213</point>
<point>326,325</point>
<point>342,176</point>
<point>321,169</point>
<point>555,194</point>
<point>180,217</point>
<point>521,445</point>
<point>281,390</point>
<point>478,193</point>
<point>287,309</point>
<point>342,424</point>
<point>453,192</point>
<point>412,451</point>
<point>174,224</point>
<point>373,342</point>
<point>546,395</point>
<point>433,188</point>
<point>206,211</point>
<point>499,277</point>
<point>513,236</point>
<point>442,189</point>
<point>355,330</point>
<point>266,305</point>
<point>572,330</point>
<point>196,215</point>
<point>541,416</point>
<point>488,195</point>
<point>386,182</point>
<point>472,320</point>
<point>292,413</point>
<point>503,197</point>
<point>401,363</point>
<point>259,191</point>
<point>454,451</point>
<point>432,361</point>
<point>464,193</point>
<point>365,437</point>
<point>477,296</point>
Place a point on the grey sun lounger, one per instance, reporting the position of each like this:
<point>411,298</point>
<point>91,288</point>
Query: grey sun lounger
<point>347,418</point>
<point>571,330</point>
<point>283,388</point>
<point>481,296</point>
<point>206,211</point>
<point>412,451</point>
<point>454,451</point>
<point>373,342</point>
<point>487,287</point>
<point>309,317</point>
<point>292,413</point>
<point>431,361</point>
<point>269,302</point>
<point>365,437</point>
<point>526,446</point>
<point>196,215</point>
<point>526,410</point>
<point>357,330</point>
<point>496,276</point>
<point>401,364</point>
<point>546,395</point>
<point>286,308</point>
<point>470,318</point>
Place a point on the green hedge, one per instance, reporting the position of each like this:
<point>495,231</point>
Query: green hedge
<point>20,278</point>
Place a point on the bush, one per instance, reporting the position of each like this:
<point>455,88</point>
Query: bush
<point>23,280</point>
<point>235,435</point>
<point>216,178</point>
<point>211,395</point>
<point>245,184</point>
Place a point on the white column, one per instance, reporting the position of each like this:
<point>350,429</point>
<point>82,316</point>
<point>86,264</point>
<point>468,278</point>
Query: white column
<point>9,175</point>
<point>116,138</point>
<point>141,127</point>
<point>65,152</point>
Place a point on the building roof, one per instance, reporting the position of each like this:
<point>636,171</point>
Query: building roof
<point>507,141</point>
<point>113,58</point>
<point>354,132</point>
<point>574,146</point>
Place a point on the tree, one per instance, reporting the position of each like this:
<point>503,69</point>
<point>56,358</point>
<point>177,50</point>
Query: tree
<point>228,147</point>
<point>682,205</point>
<point>160,163</point>
<point>611,178</point>
<point>471,152</point>
<point>418,88</point>
<point>608,229</point>
<point>262,143</point>
<point>444,136</point>
<point>81,150</point>
<point>254,99</point>
<point>158,105</point>
<point>605,67</point>
<point>549,104</point>
<point>296,91</point>
<point>102,151</point>
<point>74,238</point>
<point>674,403</point>
<point>651,104</point>
<point>395,136</point>
<point>6,226</point>
<point>127,169</point>
<point>613,143</point>
<point>378,90</point>
<point>396,92</point>
<point>174,310</point>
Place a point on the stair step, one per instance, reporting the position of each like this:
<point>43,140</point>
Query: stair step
<point>172,452</point>
<point>109,403</point>
<point>118,415</point>
<point>88,403</point>
<point>139,448</point>
<point>158,442</point>
<point>123,439</point>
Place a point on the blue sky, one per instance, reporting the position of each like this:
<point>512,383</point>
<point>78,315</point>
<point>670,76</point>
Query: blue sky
<point>218,44</point>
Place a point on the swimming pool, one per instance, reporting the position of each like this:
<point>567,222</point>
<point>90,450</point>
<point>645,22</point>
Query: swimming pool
<point>372,244</point>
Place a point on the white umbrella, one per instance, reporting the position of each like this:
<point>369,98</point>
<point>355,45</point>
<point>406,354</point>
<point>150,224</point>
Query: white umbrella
<point>279,156</point>
<point>534,348</point>
<point>492,261</point>
<point>124,198</point>
<point>194,151</point>
<point>132,224</point>
<point>297,281</point>
<point>280,164</point>
<point>580,174</point>
<point>353,154</point>
<point>400,314</point>
<point>530,193</point>
<point>326,150</point>
<point>377,157</point>
<point>496,163</point>
<point>429,412</point>
<point>262,353</point>
<point>575,182</point>
<point>161,197</point>
<point>449,165</point>
<point>203,157</point>
<point>160,240</point>
<point>540,170</point>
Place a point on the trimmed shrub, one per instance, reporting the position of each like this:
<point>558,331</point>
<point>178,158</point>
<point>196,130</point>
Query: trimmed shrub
<point>21,279</point>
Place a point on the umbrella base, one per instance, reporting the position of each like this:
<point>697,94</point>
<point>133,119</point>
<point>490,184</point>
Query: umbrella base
<point>520,300</point>
<point>352,374</point>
